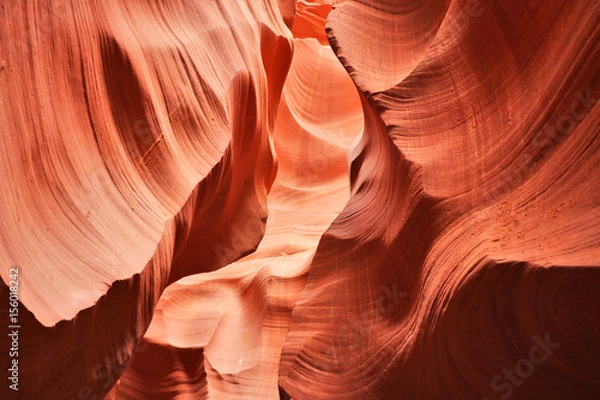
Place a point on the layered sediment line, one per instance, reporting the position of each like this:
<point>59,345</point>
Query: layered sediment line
<point>332,199</point>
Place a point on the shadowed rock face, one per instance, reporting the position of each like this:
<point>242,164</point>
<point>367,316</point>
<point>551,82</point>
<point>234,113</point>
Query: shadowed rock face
<point>306,200</point>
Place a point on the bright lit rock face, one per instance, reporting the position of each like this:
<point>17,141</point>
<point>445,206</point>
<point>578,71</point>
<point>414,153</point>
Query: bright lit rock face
<point>240,199</point>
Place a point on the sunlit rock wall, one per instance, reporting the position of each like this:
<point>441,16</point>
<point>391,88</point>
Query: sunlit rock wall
<point>315,199</point>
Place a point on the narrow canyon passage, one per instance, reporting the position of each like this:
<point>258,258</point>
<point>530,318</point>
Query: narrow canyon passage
<point>319,117</point>
<point>335,199</point>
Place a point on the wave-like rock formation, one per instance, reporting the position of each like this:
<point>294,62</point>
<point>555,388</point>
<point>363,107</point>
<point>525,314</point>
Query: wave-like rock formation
<point>312,199</point>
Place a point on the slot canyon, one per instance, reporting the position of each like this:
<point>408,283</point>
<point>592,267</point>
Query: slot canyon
<point>300,199</point>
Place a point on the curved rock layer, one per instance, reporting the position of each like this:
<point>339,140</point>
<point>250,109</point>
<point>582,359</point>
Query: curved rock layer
<point>135,146</point>
<point>479,281</point>
<point>346,199</point>
<point>239,315</point>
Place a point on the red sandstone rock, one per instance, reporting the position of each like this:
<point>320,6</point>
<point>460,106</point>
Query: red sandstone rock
<point>207,200</point>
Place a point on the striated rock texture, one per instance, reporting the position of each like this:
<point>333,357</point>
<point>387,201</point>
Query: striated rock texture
<point>355,199</point>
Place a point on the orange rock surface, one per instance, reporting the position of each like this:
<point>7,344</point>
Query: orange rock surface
<point>354,199</point>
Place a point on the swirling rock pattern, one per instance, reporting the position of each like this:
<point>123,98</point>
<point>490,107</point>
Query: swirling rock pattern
<point>484,156</point>
<point>350,199</point>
